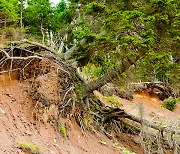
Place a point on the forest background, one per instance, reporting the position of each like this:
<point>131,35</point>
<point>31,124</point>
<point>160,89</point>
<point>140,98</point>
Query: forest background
<point>97,36</point>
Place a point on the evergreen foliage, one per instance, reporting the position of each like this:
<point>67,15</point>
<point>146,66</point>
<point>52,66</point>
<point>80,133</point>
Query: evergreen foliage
<point>8,11</point>
<point>117,29</point>
<point>104,32</point>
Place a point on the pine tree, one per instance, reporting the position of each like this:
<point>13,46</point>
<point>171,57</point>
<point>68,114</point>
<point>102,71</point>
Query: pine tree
<point>38,17</point>
<point>8,11</point>
<point>106,32</point>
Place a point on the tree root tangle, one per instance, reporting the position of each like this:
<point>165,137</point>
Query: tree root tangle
<point>35,61</point>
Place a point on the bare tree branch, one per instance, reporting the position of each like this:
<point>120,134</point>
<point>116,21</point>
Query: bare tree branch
<point>24,58</point>
<point>19,58</point>
<point>33,43</point>
<point>7,55</point>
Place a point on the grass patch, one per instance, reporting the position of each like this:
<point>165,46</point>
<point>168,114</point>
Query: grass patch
<point>113,100</point>
<point>123,149</point>
<point>102,142</point>
<point>126,151</point>
<point>30,148</point>
<point>89,123</point>
<point>62,130</point>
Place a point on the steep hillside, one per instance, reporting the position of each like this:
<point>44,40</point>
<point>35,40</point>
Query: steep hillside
<point>46,107</point>
<point>19,125</point>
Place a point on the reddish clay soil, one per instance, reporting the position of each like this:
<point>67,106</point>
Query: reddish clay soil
<point>152,109</point>
<point>151,106</point>
<point>18,125</point>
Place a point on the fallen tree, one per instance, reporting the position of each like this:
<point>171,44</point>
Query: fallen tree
<point>32,60</point>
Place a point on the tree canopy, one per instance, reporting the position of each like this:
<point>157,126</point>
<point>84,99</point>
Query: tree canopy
<point>117,29</point>
<point>98,35</point>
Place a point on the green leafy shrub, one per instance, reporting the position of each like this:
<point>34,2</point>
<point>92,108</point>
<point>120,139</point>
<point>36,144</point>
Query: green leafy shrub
<point>30,147</point>
<point>90,70</point>
<point>171,103</point>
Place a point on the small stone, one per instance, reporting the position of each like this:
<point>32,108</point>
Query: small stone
<point>137,140</point>
<point>1,110</point>
<point>28,133</point>
<point>19,151</point>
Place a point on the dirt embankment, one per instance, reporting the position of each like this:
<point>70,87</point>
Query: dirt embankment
<point>36,91</point>
<point>151,106</point>
<point>22,119</point>
<point>18,124</point>
<point>35,98</point>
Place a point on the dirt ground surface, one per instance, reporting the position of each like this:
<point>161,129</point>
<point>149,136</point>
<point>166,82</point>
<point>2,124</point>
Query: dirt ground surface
<point>18,125</point>
<point>150,105</point>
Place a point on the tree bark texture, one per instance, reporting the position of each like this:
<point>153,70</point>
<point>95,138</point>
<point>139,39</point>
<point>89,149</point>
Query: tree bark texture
<point>94,85</point>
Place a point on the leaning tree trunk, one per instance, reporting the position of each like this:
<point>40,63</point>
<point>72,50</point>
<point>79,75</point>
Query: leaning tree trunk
<point>93,85</point>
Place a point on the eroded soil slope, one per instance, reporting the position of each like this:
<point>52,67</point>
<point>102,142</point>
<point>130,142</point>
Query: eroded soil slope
<point>17,125</point>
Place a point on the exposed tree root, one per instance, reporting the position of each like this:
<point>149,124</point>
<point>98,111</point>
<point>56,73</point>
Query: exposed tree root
<point>159,89</point>
<point>37,61</point>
